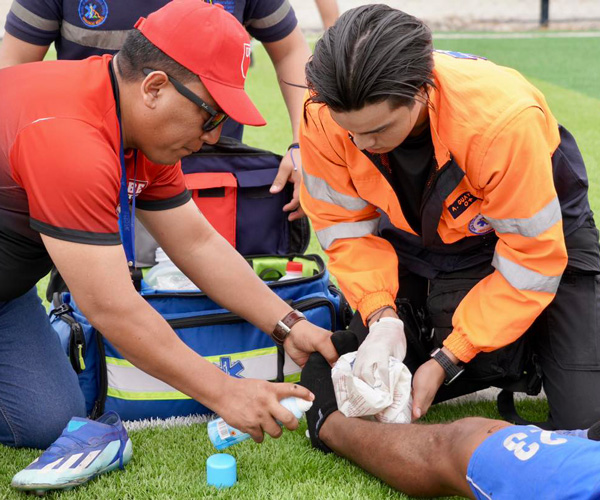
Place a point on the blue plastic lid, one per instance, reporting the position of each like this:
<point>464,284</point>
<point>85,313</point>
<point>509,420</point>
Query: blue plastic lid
<point>221,470</point>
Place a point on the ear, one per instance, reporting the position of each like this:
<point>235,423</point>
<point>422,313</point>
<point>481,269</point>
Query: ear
<point>152,87</point>
<point>424,93</point>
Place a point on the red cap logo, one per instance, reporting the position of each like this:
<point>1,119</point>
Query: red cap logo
<point>246,59</point>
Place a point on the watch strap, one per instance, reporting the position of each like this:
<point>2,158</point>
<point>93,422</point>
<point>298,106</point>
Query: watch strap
<point>284,326</point>
<point>452,371</point>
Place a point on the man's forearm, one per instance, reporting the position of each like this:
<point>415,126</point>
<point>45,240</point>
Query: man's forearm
<point>221,272</point>
<point>293,96</point>
<point>289,58</point>
<point>214,265</point>
<point>145,339</point>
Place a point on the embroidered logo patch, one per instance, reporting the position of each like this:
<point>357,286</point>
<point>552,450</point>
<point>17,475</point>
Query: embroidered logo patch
<point>246,59</point>
<point>479,225</point>
<point>461,203</point>
<point>93,13</point>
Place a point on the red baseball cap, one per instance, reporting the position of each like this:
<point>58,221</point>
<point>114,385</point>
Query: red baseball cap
<point>211,43</point>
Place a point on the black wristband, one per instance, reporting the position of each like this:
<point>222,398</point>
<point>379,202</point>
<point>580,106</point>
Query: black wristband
<point>379,313</point>
<point>452,371</point>
<point>293,145</point>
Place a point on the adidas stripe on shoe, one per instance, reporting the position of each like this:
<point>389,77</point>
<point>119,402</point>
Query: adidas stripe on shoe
<point>85,449</point>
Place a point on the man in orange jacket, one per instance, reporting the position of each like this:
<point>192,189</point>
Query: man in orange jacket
<point>454,210</point>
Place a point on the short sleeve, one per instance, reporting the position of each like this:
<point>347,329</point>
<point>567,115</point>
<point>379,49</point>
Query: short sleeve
<point>269,20</point>
<point>71,176</point>
<point>35,21</point>
<point>166,188</point>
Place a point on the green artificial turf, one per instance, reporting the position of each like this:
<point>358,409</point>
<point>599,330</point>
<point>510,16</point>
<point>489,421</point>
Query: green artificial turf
<point>170,463</point>
<point>570,63</point>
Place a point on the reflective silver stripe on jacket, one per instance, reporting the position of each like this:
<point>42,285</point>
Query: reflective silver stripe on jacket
<point>522,278</point>
<point>33,19</point>
<point>532,226</point>
<point>346,230</point>
<point>320,190</point>
<point>272,19</point>
<point>105,40</point>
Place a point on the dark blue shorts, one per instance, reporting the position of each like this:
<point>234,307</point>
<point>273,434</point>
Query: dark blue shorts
<point>524,462</point>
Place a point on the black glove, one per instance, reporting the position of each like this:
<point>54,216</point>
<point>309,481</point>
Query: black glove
<point>316,377</point>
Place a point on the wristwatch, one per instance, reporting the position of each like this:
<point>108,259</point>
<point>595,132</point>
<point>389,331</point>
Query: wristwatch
<point>284,326</point>
<point>452,370</point>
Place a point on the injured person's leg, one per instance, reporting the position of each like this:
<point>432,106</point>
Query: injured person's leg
<point>474,457</point>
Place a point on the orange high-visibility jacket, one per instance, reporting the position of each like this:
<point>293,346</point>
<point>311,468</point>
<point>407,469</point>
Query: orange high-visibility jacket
<point>495,130</point>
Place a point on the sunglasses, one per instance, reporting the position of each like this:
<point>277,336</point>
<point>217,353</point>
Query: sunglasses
<point>216,117</point>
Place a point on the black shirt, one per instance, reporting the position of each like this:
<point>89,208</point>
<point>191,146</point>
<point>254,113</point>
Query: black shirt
<point>411,164</point>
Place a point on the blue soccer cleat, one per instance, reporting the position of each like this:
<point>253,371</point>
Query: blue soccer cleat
<point>85,449</point>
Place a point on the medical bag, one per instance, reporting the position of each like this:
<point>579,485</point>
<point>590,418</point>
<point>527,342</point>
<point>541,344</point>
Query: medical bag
<point>230,183</point>
<point>110,382</point>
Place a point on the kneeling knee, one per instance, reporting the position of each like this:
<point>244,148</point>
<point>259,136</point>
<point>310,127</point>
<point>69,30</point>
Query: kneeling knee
<point>42,426</point>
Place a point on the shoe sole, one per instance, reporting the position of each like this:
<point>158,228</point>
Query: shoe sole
<point>41,489</point>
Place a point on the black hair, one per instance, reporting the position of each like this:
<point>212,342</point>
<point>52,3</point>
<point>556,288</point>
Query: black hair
<point>372,54</point>
<point>138,53</point>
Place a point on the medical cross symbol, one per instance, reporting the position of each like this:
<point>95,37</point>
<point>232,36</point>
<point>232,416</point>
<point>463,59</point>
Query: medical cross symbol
<point>230,369</point>
<point>92,13</point>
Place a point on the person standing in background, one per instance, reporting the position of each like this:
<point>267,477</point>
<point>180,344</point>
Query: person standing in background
<point>329,12</point>
<point>83,28</point>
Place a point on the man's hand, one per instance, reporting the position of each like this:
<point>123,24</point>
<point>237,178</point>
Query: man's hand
<point>252,406</point>
<point>290,170</point>
<point>306,338</point>
<point>386,338</point>
<point>426,382</point>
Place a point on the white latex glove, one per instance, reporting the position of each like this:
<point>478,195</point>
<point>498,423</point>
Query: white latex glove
<point>386,339</point>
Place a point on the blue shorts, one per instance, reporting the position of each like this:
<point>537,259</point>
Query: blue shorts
<point>525,462</point>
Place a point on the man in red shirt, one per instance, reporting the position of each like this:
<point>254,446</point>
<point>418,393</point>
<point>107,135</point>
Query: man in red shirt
<point>67,131</point>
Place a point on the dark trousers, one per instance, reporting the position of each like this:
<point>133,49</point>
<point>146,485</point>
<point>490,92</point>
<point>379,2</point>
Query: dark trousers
<point>563,344</point>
